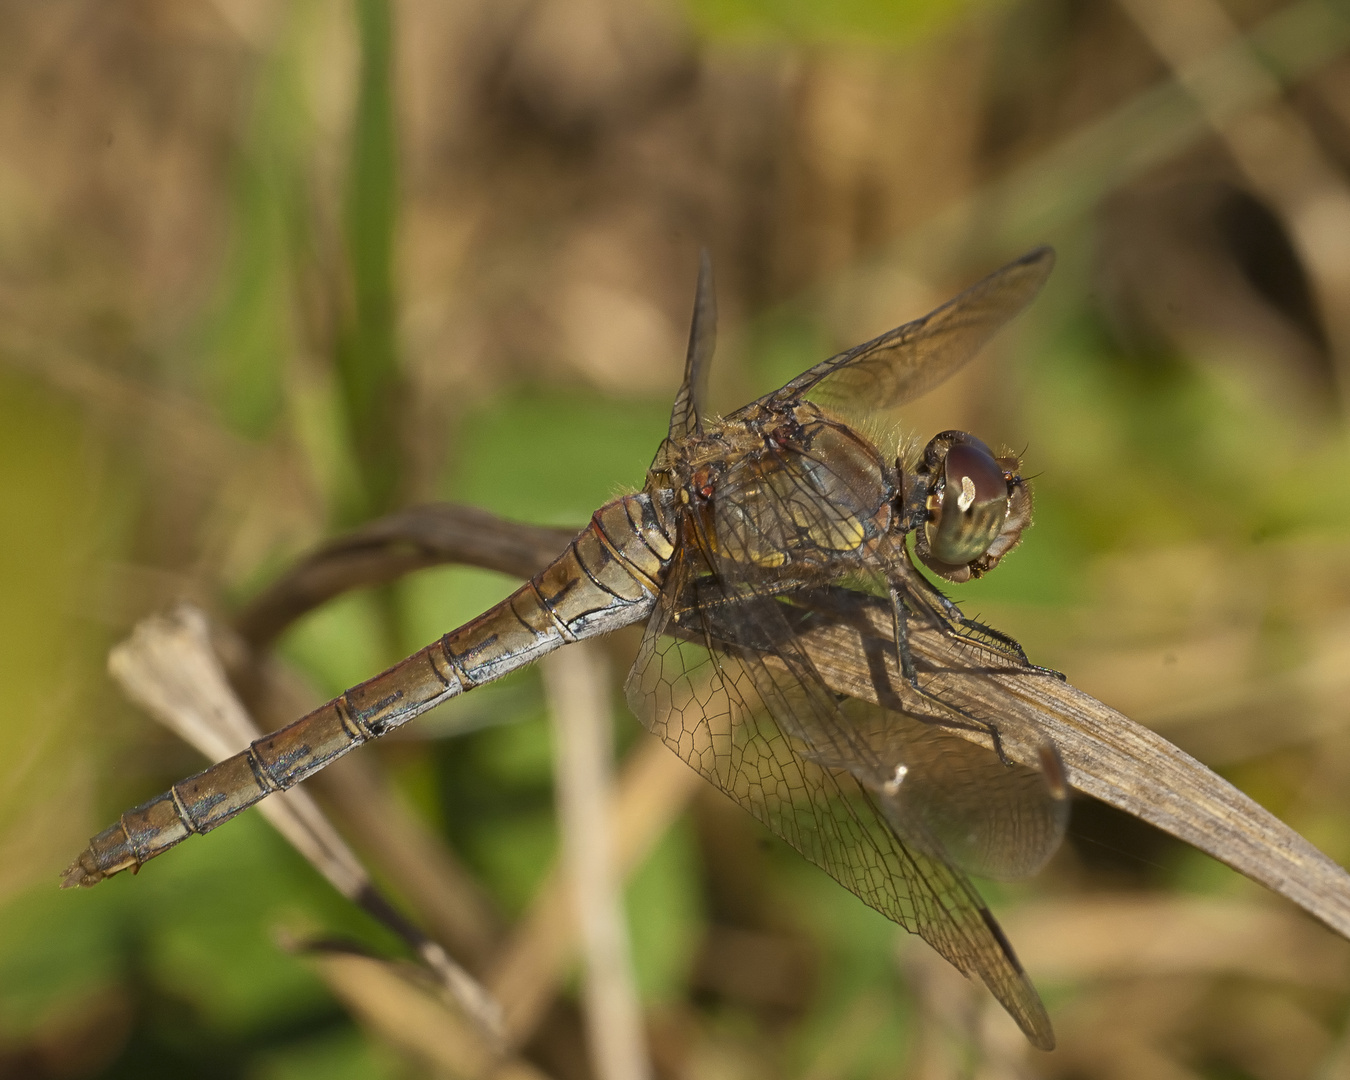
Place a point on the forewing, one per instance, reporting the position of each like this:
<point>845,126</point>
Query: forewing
<point>684,416</point>
<point>901,364</point>
<point>720,682</point>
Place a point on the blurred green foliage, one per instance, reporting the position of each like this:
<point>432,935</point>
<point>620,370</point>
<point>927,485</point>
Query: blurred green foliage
<point>256,326</point>
<point>537,448</point>
<point>366,354</point>
<point>878,22</point>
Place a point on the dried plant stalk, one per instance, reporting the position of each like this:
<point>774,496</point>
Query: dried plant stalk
<point>653,787</point>
<point>389,547</point>
<point>578,684</point>
<point>391,1001</point>
<point>411,855</point>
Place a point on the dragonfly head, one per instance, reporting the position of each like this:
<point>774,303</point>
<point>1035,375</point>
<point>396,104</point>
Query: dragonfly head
<point>970,506</point>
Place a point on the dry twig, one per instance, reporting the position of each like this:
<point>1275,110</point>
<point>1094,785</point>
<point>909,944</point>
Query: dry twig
<point>385,550</point>
<point>652,789</point>
<point>579,685</point>
<point>391,1001</point>
<point>425,871</point>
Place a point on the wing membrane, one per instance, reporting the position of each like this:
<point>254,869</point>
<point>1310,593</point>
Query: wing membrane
<point>721,682</point>
<point>688,408</point>
<point>901,364</point>
<point>992,819</point>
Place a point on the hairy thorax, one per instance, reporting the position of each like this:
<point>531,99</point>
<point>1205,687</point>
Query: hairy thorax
<point>781,492</point>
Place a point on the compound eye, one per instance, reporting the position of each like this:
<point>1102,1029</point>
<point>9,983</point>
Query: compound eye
<point>968,516</point>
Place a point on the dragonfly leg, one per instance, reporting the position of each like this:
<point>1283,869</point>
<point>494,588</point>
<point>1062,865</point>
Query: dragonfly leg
<point>912,594</point>
<point>1008,644</point>
<point>975,629</point>
<point>900,613</point>
<point>901,617</point>
<point>958,719</point>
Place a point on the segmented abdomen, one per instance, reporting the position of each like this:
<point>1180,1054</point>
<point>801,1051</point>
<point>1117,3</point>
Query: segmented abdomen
<point>608,577</point>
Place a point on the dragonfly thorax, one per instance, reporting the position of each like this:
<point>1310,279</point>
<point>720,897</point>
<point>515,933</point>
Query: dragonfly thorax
<point>799,492</point>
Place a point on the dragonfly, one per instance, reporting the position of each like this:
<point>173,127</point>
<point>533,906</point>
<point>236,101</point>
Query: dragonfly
<point>759,539</point>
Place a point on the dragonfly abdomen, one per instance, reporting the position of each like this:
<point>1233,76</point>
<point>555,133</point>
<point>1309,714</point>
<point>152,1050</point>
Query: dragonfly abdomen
<point>608,577</point>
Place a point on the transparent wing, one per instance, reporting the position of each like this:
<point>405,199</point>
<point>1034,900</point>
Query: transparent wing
<point>952,797</point>
<point>960,775</point>
<point>993,819</point>
<point>721,680</point>
<point>903,363</point>
<point>684,416</point>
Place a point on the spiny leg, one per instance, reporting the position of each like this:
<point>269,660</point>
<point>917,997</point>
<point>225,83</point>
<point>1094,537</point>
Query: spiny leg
<point>900,615</point>
<point>901,622</point>
<point>978,631</point>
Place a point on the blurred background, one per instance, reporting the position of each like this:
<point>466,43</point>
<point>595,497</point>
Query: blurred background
<point>272,268</point>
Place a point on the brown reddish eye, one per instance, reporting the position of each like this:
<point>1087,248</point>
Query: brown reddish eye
<point>970,514</point>
<point>986,482</point>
